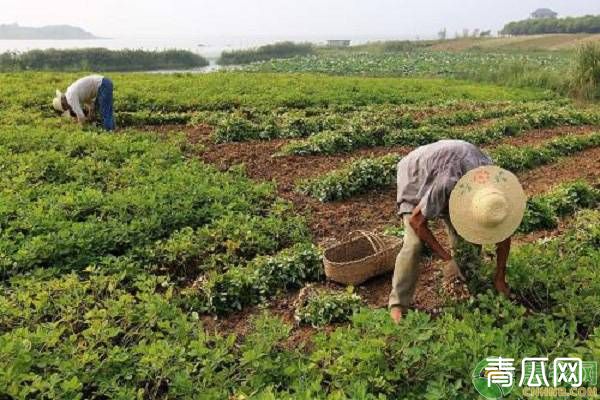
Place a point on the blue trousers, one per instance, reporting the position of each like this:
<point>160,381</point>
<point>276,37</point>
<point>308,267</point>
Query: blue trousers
<point>104,104</point>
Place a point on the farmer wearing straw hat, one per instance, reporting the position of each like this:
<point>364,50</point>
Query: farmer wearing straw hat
<point>453,180</point>
<point>91,93</point>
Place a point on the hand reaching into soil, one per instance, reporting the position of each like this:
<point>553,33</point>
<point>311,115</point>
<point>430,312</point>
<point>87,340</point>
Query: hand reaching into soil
<point>454,282</point>
<point>452,272</point>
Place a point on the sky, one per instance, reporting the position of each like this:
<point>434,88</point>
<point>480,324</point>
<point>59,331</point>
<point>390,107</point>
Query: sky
<point>281,18</point>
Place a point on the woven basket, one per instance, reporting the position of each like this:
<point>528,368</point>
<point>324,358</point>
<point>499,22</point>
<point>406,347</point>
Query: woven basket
<point>360,257</point>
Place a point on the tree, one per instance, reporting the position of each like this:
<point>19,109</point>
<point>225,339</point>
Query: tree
<point>585,24</point>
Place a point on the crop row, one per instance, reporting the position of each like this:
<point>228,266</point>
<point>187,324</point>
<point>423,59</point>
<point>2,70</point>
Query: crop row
<point>94,336</point>
<point>413,63</point>
<point>557,276</point>
<point>221,292</point>
<point>143,118</point>
<point>543,211</point>
<point>362,124</point>
<point>256,124</point>
<point>323,307</point>
<point>368,174</point>
<point>369,135</point>
<point>382,124</point>
<point>233,90</point>
<point>71,199</point>
<point>255,282</point>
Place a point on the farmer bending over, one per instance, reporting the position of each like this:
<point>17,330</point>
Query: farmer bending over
<point>453,180</point>
<point>92,93</point>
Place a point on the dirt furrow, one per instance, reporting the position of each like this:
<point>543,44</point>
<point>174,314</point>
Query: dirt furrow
<point>376,209</point>
<point>373,211</point>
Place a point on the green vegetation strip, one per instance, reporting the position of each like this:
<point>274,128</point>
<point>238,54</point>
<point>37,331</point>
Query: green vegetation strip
<point>324,307</point>
<point>70,199</point>
<point>99,59</point>
<point>360,135</point>
<point>536,26</point>
<point>255,282</point>
<point>543,211</point>
<point>368,174</point>
<point>227,91</point>
<point>143,118</point>
<point>267,52</point>
<point>101,335</point>
<point>260,124</point>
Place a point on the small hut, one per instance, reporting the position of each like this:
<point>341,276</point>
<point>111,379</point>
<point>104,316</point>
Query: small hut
<point>543,13</point>
<point>338,43</point>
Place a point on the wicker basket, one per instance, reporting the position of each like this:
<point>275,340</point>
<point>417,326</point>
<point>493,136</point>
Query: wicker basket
<point>360,257</point>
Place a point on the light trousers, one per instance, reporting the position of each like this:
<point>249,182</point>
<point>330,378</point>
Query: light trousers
<point>406,272</point>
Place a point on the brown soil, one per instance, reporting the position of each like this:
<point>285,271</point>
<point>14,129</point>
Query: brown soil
<point>330,222</point>
<point>199,133</point>
<point>371,211</point>
<point>261,162</point>
<point>584,165</point>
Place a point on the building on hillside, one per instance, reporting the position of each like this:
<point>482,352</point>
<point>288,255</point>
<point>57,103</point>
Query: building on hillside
<point>543,13</point>
<point>338,43</point>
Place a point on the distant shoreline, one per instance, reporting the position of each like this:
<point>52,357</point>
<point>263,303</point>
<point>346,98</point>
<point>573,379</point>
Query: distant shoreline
<point>50,32</point>
<point>42,39</point>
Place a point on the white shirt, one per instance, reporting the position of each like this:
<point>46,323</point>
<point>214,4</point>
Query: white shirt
<point>83,91</point>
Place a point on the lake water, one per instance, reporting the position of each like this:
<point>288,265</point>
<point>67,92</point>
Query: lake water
<point>206,46</point>
<point>210,48</point>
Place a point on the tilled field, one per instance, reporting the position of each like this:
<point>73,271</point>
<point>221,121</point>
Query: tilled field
<point>147,264</point>
<point>375,211</point>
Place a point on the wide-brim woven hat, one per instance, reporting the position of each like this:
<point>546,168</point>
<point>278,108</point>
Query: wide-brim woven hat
<point>487,205</point>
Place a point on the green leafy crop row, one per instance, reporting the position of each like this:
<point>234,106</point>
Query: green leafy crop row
<point>356,178</point>
<point>256,281</point>
<point>322,307</point>
<point>557,276</point>
<point>372,134</point>
<point>230,90</point>
<point>252,124</point>
<point>111,336</point>
<point>543,211</point>
<point>70,198</point>
<point>376,173</point>
<point>143,118</point>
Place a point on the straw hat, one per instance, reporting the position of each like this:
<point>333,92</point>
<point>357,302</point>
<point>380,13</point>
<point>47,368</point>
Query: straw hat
<point>487,205</point>
<point>56,102</point>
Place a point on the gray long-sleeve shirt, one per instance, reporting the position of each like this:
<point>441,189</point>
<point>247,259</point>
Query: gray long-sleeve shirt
<point>427,175</point>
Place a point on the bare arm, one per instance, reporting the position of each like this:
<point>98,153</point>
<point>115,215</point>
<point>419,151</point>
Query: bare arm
<point>502,252</point>
<point>419,223</point>
<point>92,111</point>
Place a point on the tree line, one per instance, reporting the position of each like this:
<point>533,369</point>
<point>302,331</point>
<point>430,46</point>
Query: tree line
<point>264,53</point>
<point>585,24</point>
<point>100,59</point>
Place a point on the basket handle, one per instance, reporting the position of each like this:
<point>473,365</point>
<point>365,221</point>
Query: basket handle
<point>376,242</point>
